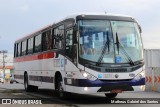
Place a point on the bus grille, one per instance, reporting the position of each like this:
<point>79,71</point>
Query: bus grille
<point>115,80</point>
<point>123,69</point>
<point>131,69</point>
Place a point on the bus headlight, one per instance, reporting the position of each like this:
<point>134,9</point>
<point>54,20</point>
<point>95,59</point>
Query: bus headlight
<point>140,75</point>
<point>88,75</point>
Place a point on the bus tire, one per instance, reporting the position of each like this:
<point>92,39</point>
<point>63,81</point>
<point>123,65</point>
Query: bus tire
<point>61,93</point>
<point>29,88</point>
<point>111,95</point>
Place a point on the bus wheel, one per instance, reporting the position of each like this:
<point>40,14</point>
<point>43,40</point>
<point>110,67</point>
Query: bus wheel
<point>29,88</point>
<point>61,93</point>
<point>111,95</point>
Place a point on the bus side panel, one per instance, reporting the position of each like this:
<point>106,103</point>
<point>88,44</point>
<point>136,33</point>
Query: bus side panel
<point>72,72</point>
<point>40,72</point>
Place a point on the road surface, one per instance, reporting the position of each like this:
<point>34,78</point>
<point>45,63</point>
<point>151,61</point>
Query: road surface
<point>75,100</point>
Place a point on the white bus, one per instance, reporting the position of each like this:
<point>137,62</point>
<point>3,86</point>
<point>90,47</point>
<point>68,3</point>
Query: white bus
<point>84,54</point>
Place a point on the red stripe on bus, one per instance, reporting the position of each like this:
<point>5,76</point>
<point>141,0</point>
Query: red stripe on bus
<point>35,57</point>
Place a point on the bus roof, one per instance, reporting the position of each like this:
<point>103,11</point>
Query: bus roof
<point>72,16</point>
<point>34,33</point>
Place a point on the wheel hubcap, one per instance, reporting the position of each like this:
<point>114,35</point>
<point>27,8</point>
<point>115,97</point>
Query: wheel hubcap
<point>60,89</point>
<point>25,83</point>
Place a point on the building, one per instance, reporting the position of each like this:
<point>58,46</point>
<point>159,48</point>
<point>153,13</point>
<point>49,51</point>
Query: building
<point>8,69</point>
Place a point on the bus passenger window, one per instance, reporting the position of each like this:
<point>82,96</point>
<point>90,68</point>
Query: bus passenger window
<point>53,39</point>
<point>15,50</point>
<point>46,40</point>
<point>19,49</point>
<point>24,48</point>
<point>58,37</point>
<point>37,44</point>
<point>30,46</point>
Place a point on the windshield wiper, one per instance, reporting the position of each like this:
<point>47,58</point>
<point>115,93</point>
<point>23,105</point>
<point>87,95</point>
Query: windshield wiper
<point>104,49</point>
<point>124,51</point>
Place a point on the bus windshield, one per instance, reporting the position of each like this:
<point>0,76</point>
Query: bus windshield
<point>96,41</point>
<point>129,39</point>
<point>93,37</point>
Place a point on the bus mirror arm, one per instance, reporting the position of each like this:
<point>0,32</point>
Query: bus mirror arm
<point>75,28</point>
<point>74,53</point>
<point>75,35</point>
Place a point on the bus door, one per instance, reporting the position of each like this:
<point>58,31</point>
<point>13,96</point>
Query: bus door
<point>70,54</point>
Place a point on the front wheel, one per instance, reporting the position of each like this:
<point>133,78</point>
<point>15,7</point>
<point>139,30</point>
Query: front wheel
<point>61,93</point>
<point>111,95</point>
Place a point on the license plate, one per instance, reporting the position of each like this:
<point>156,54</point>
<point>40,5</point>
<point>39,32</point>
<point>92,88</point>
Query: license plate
<point>108,76</point>
<point>117,91</point>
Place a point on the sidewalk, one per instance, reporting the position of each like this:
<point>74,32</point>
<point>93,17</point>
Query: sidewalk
<point>145,94</point>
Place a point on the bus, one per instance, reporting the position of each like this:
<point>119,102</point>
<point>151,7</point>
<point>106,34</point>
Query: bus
<point>83,54</point>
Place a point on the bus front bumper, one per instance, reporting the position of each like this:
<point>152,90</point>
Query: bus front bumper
<point>94,90</point>
<point>98,86</point>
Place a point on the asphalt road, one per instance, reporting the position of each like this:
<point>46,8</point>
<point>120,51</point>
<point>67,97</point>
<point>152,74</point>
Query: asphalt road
<point>75,100</point>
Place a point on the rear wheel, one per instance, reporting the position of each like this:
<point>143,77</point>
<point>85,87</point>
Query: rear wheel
<point>111,95</point>
<point>29,88</point>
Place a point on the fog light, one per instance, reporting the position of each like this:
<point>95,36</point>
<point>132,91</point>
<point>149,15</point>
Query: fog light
<point>85,88</point>
<point>140,75</point>
<point>142,87</point>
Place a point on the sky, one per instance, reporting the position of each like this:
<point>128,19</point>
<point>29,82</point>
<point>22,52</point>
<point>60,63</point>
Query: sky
<point>21,17</point>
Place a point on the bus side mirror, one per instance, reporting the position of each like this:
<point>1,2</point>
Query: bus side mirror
<point>140,29</point>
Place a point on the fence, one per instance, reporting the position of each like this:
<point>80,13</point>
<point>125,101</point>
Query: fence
<point>152,67</point>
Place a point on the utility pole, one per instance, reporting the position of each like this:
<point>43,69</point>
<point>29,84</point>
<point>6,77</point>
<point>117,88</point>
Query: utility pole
<point>3,56</point>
